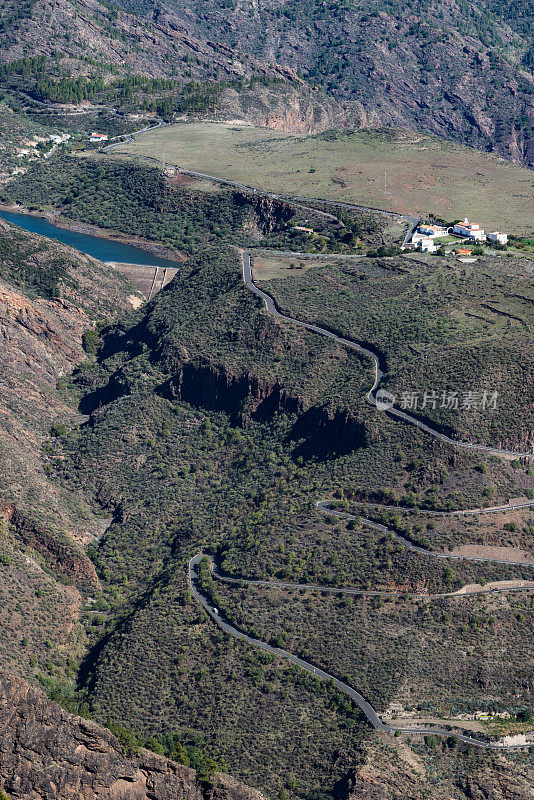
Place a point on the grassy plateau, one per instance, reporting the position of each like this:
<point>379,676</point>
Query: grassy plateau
<point>404,171</point>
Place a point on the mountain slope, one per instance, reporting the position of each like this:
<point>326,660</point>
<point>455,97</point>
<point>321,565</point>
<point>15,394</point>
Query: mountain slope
<point>50,295</point>
<point>449,68</point>
<point>47,752</point>
<point>92,35</point>
<point>214,427</point>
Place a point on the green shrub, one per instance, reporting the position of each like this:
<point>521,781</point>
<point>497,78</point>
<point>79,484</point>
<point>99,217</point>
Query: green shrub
<point>58,430</point>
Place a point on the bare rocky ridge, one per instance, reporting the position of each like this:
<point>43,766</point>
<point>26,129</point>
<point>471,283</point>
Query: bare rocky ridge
<point>47,753</point>
<point>434,70</point>
<point>42,525</point>
<point>42,342</point>
<point>391,770</point>
<point>446,72</point>
<point>288,110</point>
<point>144,45</point>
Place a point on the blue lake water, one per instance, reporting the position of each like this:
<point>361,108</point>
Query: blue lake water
<point>103,249</point>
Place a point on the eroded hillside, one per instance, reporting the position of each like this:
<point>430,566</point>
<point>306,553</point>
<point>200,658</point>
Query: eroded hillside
<point>236,424</point>
<point>49,297</point>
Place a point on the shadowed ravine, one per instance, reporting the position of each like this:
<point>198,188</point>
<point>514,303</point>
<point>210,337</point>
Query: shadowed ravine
<point>371,714</point>
<point>271,307</point>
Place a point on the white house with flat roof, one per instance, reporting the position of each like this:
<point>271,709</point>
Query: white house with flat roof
<point>470,229</point>
<point>500,238</point>
<point>428,245</point>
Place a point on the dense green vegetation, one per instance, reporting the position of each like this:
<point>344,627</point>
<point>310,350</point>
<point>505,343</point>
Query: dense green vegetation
<point>134,200</point>
<point>203,434</point>
<point>26,270</point>
<point>206,425</point>
<point>138,200</point>
<point>363,559</point>
<point>442,329</point>
<point>45,79</point>
<point>432,665</point>
<point>442,533</point>
<point>165,96</point>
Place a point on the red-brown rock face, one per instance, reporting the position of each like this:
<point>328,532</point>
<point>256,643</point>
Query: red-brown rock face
<point>48,754</point>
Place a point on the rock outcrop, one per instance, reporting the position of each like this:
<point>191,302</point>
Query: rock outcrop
<point>40,343</point>
<point>391,770</point>
<point>291,111</point>
<point>62,555</point>
<point>48,754</point>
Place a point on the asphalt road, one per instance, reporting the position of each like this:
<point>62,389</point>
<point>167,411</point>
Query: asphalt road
<point>459,513</point>
<point>270,305</point>
<point>130,137</point>
<point>359,699</point>
<point>322,505</point>
<point>368,592</point>
<point>298,199</point>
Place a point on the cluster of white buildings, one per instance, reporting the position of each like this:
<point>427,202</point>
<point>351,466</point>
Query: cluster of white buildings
<point>427,235</point>
<point>473,231</point>
<point>31,145</point>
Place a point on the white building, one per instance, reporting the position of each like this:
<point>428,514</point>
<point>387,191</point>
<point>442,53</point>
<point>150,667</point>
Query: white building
<point>500,238</point>
<point>428,245</point>
<point>432,230</point>
<point>470,229</point>
<point>60,138</point>
<point>98,137</point>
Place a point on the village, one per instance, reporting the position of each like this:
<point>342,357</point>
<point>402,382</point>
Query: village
<point>462,238</point>
<point>444,240</point>
<point>37,147</point>
<point>44,146</point>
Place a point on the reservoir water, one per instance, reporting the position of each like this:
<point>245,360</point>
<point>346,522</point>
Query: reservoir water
<point>103,249</point>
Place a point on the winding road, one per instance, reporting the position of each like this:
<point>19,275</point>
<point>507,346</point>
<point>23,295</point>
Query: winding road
<point>323,506</point>
<point>270,584</point>
<point>128,138</point>
<point>317,672</point>
<point>271,307</point>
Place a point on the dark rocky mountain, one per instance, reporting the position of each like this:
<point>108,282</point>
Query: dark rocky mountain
<point>46,752</point>
<point>449,68</point>
<point>454,69</point>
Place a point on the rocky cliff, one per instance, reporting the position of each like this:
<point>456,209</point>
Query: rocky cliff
<point>60,553</point>
<point>285,108</point>
<point>48,754</point>
<point>235,359</point>
<point>49,296</point>
<point>41,340</point>
<point>322,429</point>
<point>444,68</point>
<point>391,770</point>
<point>449,69</point>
